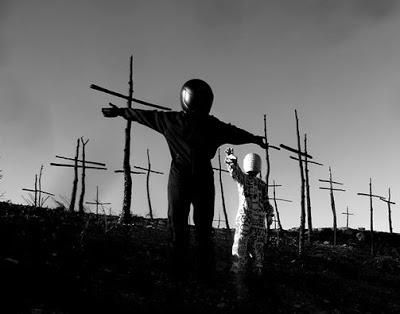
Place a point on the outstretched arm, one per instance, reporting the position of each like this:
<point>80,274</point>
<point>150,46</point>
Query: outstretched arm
<point>151,118</point>
<point>228,133</point>
<point>233,167</point>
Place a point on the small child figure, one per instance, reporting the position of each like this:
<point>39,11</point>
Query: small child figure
<point>254,208</point>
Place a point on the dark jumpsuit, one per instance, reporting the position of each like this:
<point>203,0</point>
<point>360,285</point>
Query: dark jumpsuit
<point>192,141</point>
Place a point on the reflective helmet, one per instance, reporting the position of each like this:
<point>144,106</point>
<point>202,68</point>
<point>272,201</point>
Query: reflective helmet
<point>252,162</point>
<point>196,97</point>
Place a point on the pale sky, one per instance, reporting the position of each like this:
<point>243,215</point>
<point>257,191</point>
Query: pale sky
<point>335,61</point>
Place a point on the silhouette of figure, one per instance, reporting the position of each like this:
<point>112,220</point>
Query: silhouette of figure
<point>254,208</point>
<point>193,136</point>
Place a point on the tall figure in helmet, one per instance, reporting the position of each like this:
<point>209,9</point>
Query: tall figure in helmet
<point>193,136</point>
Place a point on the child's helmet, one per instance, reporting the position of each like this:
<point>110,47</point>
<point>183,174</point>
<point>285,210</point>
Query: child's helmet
<point>252,162</point>
<point>196,97</point>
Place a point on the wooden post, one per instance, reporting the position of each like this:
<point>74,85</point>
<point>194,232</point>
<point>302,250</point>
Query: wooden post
<point>347,216</point>
<point>371,217</point>
<point>390,214</point>
<point>40,186</point>
<point>126,206</point>
<point>276,208</point>
<point>36,190</point>
<point>371,210</point>
<point>302,213</point>
<point>222,191</point>
<point>148,172</point>
<point>83,187</point>
<point>148,184</point>
<point>332,198</point>
<point>266,154</point>
<point>389,202</point>
<point>309,218</point>
<point>333,207</point>
<point>97,202</point>
<point>75,182</point>
<point>276,204</point>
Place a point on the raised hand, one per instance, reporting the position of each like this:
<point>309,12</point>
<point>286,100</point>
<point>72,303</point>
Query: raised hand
<point>230,158</point>
<point>229,151</point>
<point>111,112</point>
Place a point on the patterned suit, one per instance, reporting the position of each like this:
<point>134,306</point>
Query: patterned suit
<point>254,208</point>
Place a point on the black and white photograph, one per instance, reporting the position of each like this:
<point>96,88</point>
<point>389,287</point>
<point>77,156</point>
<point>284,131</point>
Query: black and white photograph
<point>193,156</point>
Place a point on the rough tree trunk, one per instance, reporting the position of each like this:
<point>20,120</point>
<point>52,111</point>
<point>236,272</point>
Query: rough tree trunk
<point>302,213</point>
<point>309,218</point>
<point>126,206</point>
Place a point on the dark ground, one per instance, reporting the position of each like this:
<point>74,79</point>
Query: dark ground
<point>53,261</point>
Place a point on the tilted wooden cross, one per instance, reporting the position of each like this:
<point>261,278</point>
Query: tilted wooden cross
<point>389,202</point>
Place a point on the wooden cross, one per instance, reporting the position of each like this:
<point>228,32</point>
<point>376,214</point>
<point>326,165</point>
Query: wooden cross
<point>300,154</point>
<point>220,170</point>
<point>148,170</point>
<point>97,202</point>
<point>304,159</point>
<point>276,204</point>
<point>347,216</point>
<point>333,207</point>
<point>219,220</point>
<point>389,202</point>
<point>126,213</point>
<point>370,195</point>
<point>38,190</point>
<point>79,163</point>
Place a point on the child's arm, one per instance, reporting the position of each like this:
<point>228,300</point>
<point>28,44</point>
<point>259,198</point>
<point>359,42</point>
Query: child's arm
<point>233,167</point>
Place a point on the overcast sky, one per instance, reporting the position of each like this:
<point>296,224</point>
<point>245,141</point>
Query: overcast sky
<point>335,61</point>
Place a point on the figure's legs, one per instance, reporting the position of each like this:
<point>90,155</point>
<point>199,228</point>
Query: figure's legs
<point>240,242</point>
<point>259,235</point>
<point>203,215</point>
<point>178,211</point>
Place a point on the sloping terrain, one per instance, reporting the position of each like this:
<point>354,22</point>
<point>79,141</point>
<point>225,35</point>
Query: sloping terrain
<point>52,261</point>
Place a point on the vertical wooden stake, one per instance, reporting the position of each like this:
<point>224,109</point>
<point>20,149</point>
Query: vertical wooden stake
<point>276,208</point>
<point>302,214</point>
<point>309,218</point>
<point>75,182</point>
<point>126,206</point>
<point>97,200</point>
<point>40,186</point>
<point>148,184</point>
<point>222,191</point>
<point>83,187</point>
<point>371,217</point>
<point>36,188</point>
<point>333,207</point>
<point>390,213</point>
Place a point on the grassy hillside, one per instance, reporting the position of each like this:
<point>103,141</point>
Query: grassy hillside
<point>52,261</point>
